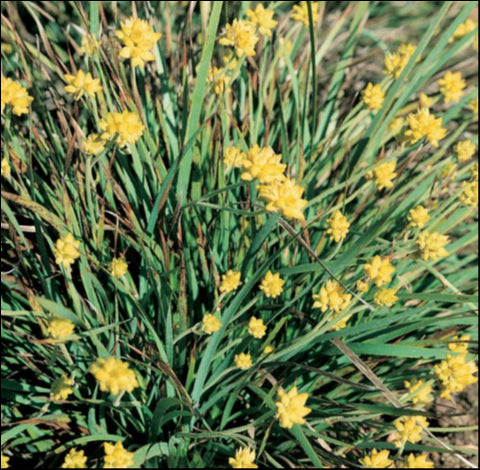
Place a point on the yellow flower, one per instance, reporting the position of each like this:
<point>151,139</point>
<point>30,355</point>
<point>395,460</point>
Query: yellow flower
<point>373,97</point>
<point>75,459</point>
<point>291,407</point>
<point>268,350</point>
<point>82,83</point>
<point>341,324</point>
<point>211,324</point>
<point>456,374</point>
<point>257,328</point>
<point>233,157</point>
<point>465,150</point>
<point>119,267</point>
<point>242,36</point>
<point>332,296</point>
<point>93,144</point>
<point>272,285</point>
<point>66,251</point>
<point>284,196</point>
<point>338,227</point>
<point>125,128</point>
<point>263,164</point>
<point>219,79</point>
<point>262,19</point>
<point>469,195</point>
<point>61,388</point>
<point>386,297</point>
<point>4,461</point>
<point>138,40</point>
<point>15,95</point>
<point>425,101</point>
<point>385,174</point>
<point>473,106</point>
<point>420,391</point>
<point>363,287</point>
<point>409,429</point>
<point>377,460</point>
<point>432,245</point>
<point>420,461</point>
<point>244,458</point>
<point>380,270</point>
<point>300,13</point>
<point>423,124</point>
<point>90,45</point>
<point>460,344</point>
<point>452,86</point>
<point>243,361</point>
<point>114,376</point>
<point>61,329</point>
<point>419,217</point>
<point>6,170</point>
<point>230,281</point>
<point>395,62</point>
<point>396,125</point>
<point>116,456</point>
<point>465,28</point>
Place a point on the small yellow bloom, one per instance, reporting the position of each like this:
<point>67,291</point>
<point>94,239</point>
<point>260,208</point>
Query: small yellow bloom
<point>75,459</point>
<point>332,296</point>
<point>395,62</point>
<point>116,456</point>
<point>460,344</point>
<point>420,391</point>
<point>456,374</point>
<point>231,281</point>
<point>6,170</point>
<point>244,458</point>
<point>125,128</point>
<point>473,106</point>
<point>465,28</point>
<point>452,86</point>
<point>242,36</point>
<point>138,40</point>
<point>233,157</point>
<point>93,144</point>
<point>263,19</point>
<point>419,461</point>
<point>300,13</point>
<point>60,329</point>
<point>380,270</point>
<point>432,245</point>
<point>211,324</point>
<point>419,217</point>
<point>341,324</point>
<point>263,164</point>
<point>90,45</point>
<point>82,83</point>
<point>114,376</point>
<point>425,101</point>
<point>61,388</point>
<point>384,175</point>
<point>243,361</point>
<point>409,429</point>
<point>119,267</point>
<point>257,328</point>
<point>363,287</point>
<point>386,297</point>
<point>66,251</point>
<point>272,285</point>
<point>14,95</point>
<point>465,150</point>
<point>377,460</point>
<point>4,461</point>
<point>338,227</point>
<point>219,79</point>
<point>423,124</point>
<point>373,97</point>
<point>268,350</point>
<point>291,407</point>
<point>469,194</point>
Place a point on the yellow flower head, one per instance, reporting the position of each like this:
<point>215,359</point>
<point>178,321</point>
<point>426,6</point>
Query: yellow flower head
<point>425,101</point>
<point>244,458</point>
<point>93,144</point>
<point>338,227</point>
<point>219,80</point>
<point>268,350</point>
<point>291,407</point>
<point>341,324</point>
<point>460,344</point>
<point>66,251</point>
<point>452,86</point>
<point>272,285</point>
<point>82,83</point>
<point>465,28</point>
<point>363,287</point>
<point>419,461</point>
<point>138,40</point>
<point>262,19</point>
<point>233,157</point>
<point>377,460</point>
<point>373,97</point>
<point>473,106</point>
<point>385,174</point>
<point>465,150</point>
<point>231,281</point>
<point>116,456</point>
<point>60,329</point>
<point>114,376</point>
<point>61,389</point>
<point>419,217</point>
<point>469,194</point>
<point>386,297</point>
<point>75,459</point>
<point>449,170</point>
<point>263,164</point>
<point>379,270</point>
<point>332,296</point>
<point>4,461</point>
<point>15,95</point>
<point>285,197</point>
<point>395,62</point>
<point>119,267</point>
<point>6,170</point>
<point>456,374</point>
<point>257,328</point>
<point>423,124</point>
<point>409,429</point>
<point>300,13</point>
<point>211,324</point>
<point>432,245</point>
<point>125,128</point>
<point>242,36</point>
<point>243,361</point>
<point>90,45</point>
<point>420,391</point>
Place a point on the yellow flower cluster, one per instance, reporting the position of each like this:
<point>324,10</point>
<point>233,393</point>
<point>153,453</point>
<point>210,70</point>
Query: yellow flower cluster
<point>300,13</point>
<point>459,344</point>
<point>452,86</point>
<point>332,296</point>
<point>244,458</point>
<point>125,128</point>
<point>138,41</point>
<point>291,407</point>
<point>231,281</point>
<point>272,285</point>
<point>75,459</point>
<point>425,101</point>
<point>257,328</point>
<point>116,456</point>
<point>409,429</point>
<point>210,324</point>
<point>243,361</point>
<point>93,144</point>
<point>432,245</point>
<point>82,83</point>
<point>284,196</point>
<point>377,459</point>
<point>420,391</point>
<point>465,28</point>
<point>263,20</point>
<point>114,376</point>
<point>419,217</point>
<point>263,164</point>
<point>379,270</point>
<point>455,373</point>
<point>4,461</point>
<point>395,62</point>
<point>61,388</point>
<point>119,267</point>
<point>220,79</point>
<point>15,95</point>
<point>386,297</point>
<point>385,174</point>
<point>424,124</point>
<point>242,36</point>
<point>66,251</point>
<point>60,329</point>
<point>465,150</point>
<point>90,45</point>
<point>338,227</point>
<point>419,461</point>
<point>373,96</point>
<point>6,170</point>
<point>469,194</point>
<point>233,158</point>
